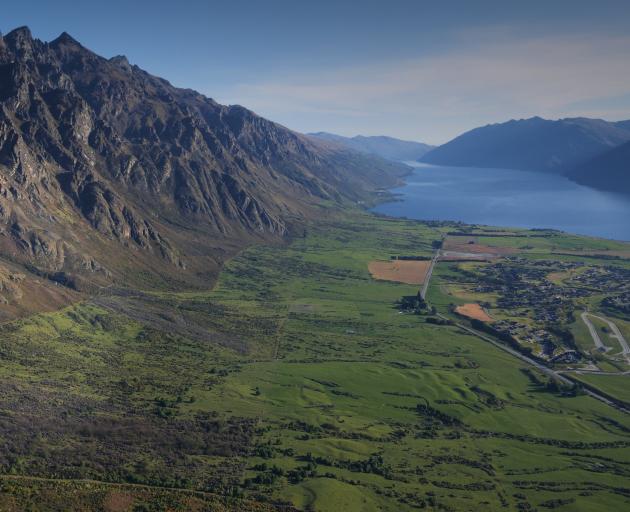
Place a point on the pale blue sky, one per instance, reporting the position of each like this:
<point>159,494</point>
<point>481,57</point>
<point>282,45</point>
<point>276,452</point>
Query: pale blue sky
<point>412,69</point>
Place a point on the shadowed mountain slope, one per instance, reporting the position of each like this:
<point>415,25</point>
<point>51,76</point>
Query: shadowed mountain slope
<point>608,171</point>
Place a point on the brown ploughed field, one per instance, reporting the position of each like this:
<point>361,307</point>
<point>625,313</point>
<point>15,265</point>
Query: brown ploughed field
<point>473,311</point>
<point>400,271</point>
<point>463,246</point>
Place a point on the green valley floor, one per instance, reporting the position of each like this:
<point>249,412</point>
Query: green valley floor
<point>298,381</point>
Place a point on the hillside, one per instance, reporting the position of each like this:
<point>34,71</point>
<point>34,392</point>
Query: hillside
<point>531,144</point>
<point>385,147</point>
<point>110,175</point>
<point>608,171</point>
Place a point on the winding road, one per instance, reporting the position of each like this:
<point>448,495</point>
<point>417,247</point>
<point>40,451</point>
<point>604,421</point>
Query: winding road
<point>616,333</point>
<point>594,334</point>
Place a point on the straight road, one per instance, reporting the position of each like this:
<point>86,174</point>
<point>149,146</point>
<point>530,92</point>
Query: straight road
<point>427,279</point>
<point>594,372</point>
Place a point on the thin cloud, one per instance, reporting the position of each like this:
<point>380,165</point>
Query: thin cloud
<point>427,98</point>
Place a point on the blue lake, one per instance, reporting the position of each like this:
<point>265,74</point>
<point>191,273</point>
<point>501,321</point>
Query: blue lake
<point>501,197</point>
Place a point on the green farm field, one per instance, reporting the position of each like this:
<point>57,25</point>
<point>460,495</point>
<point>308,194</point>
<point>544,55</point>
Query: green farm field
<point>297,382</point>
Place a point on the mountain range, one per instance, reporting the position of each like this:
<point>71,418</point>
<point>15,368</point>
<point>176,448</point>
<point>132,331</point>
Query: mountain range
<point>386,147</point>
<point>110,175</point>
<point>575,147</point>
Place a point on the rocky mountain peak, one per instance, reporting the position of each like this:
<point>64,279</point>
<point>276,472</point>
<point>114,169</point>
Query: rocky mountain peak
<point>19,35</point>
<point>65,39</point>
<point>19,42</point>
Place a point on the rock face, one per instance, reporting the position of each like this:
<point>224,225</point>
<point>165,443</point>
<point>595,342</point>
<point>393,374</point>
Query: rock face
<point>107,172</point>
<point>534,144</point>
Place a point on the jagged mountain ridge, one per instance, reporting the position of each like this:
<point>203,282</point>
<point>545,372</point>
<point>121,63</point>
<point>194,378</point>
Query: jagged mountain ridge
<point>381,145</point>
<point>531,144</point>
<point>106,169</point>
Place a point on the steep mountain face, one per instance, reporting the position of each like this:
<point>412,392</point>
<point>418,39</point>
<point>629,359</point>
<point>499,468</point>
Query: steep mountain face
<point>608,171</point>
<point>385,147</point>
<point>108,173</point>
<point>531,144</point>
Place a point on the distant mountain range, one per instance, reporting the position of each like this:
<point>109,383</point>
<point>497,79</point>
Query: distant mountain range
<point>109,175</point>
<point>385,147</point>
<point>531,144</point>
<point>583,149</point>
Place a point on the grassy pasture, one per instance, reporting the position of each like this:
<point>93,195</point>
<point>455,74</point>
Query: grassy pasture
<point>297,380</point>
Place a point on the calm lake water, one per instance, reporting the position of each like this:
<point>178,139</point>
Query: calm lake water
<point>501,197</point>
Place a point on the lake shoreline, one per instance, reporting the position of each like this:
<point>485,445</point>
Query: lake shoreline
<point>509,198</point>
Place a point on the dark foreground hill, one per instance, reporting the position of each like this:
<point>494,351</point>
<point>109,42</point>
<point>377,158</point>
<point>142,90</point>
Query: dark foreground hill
<point>608,171</point>
<point>109,174</point>
<point>386,147</point>
<point>532,144</point>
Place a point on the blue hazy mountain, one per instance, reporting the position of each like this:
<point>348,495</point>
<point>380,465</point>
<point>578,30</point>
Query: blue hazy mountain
<point>532,144</point>
<point>385,147</point>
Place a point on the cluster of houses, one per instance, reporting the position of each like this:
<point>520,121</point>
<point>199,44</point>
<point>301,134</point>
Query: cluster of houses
<point>524,288</point>
<point>612,280</point>
<point>527,334</point>
<point>607,279</point>
<point>619,302</point>
<point>523,284</point>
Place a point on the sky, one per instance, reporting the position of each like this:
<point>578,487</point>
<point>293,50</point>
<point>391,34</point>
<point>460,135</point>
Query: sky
<point>417,70</point>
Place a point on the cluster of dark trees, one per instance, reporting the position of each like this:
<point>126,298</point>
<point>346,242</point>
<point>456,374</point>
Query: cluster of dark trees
<point>427,411</point>
<point>412,303</point>
<point>373,464</point>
